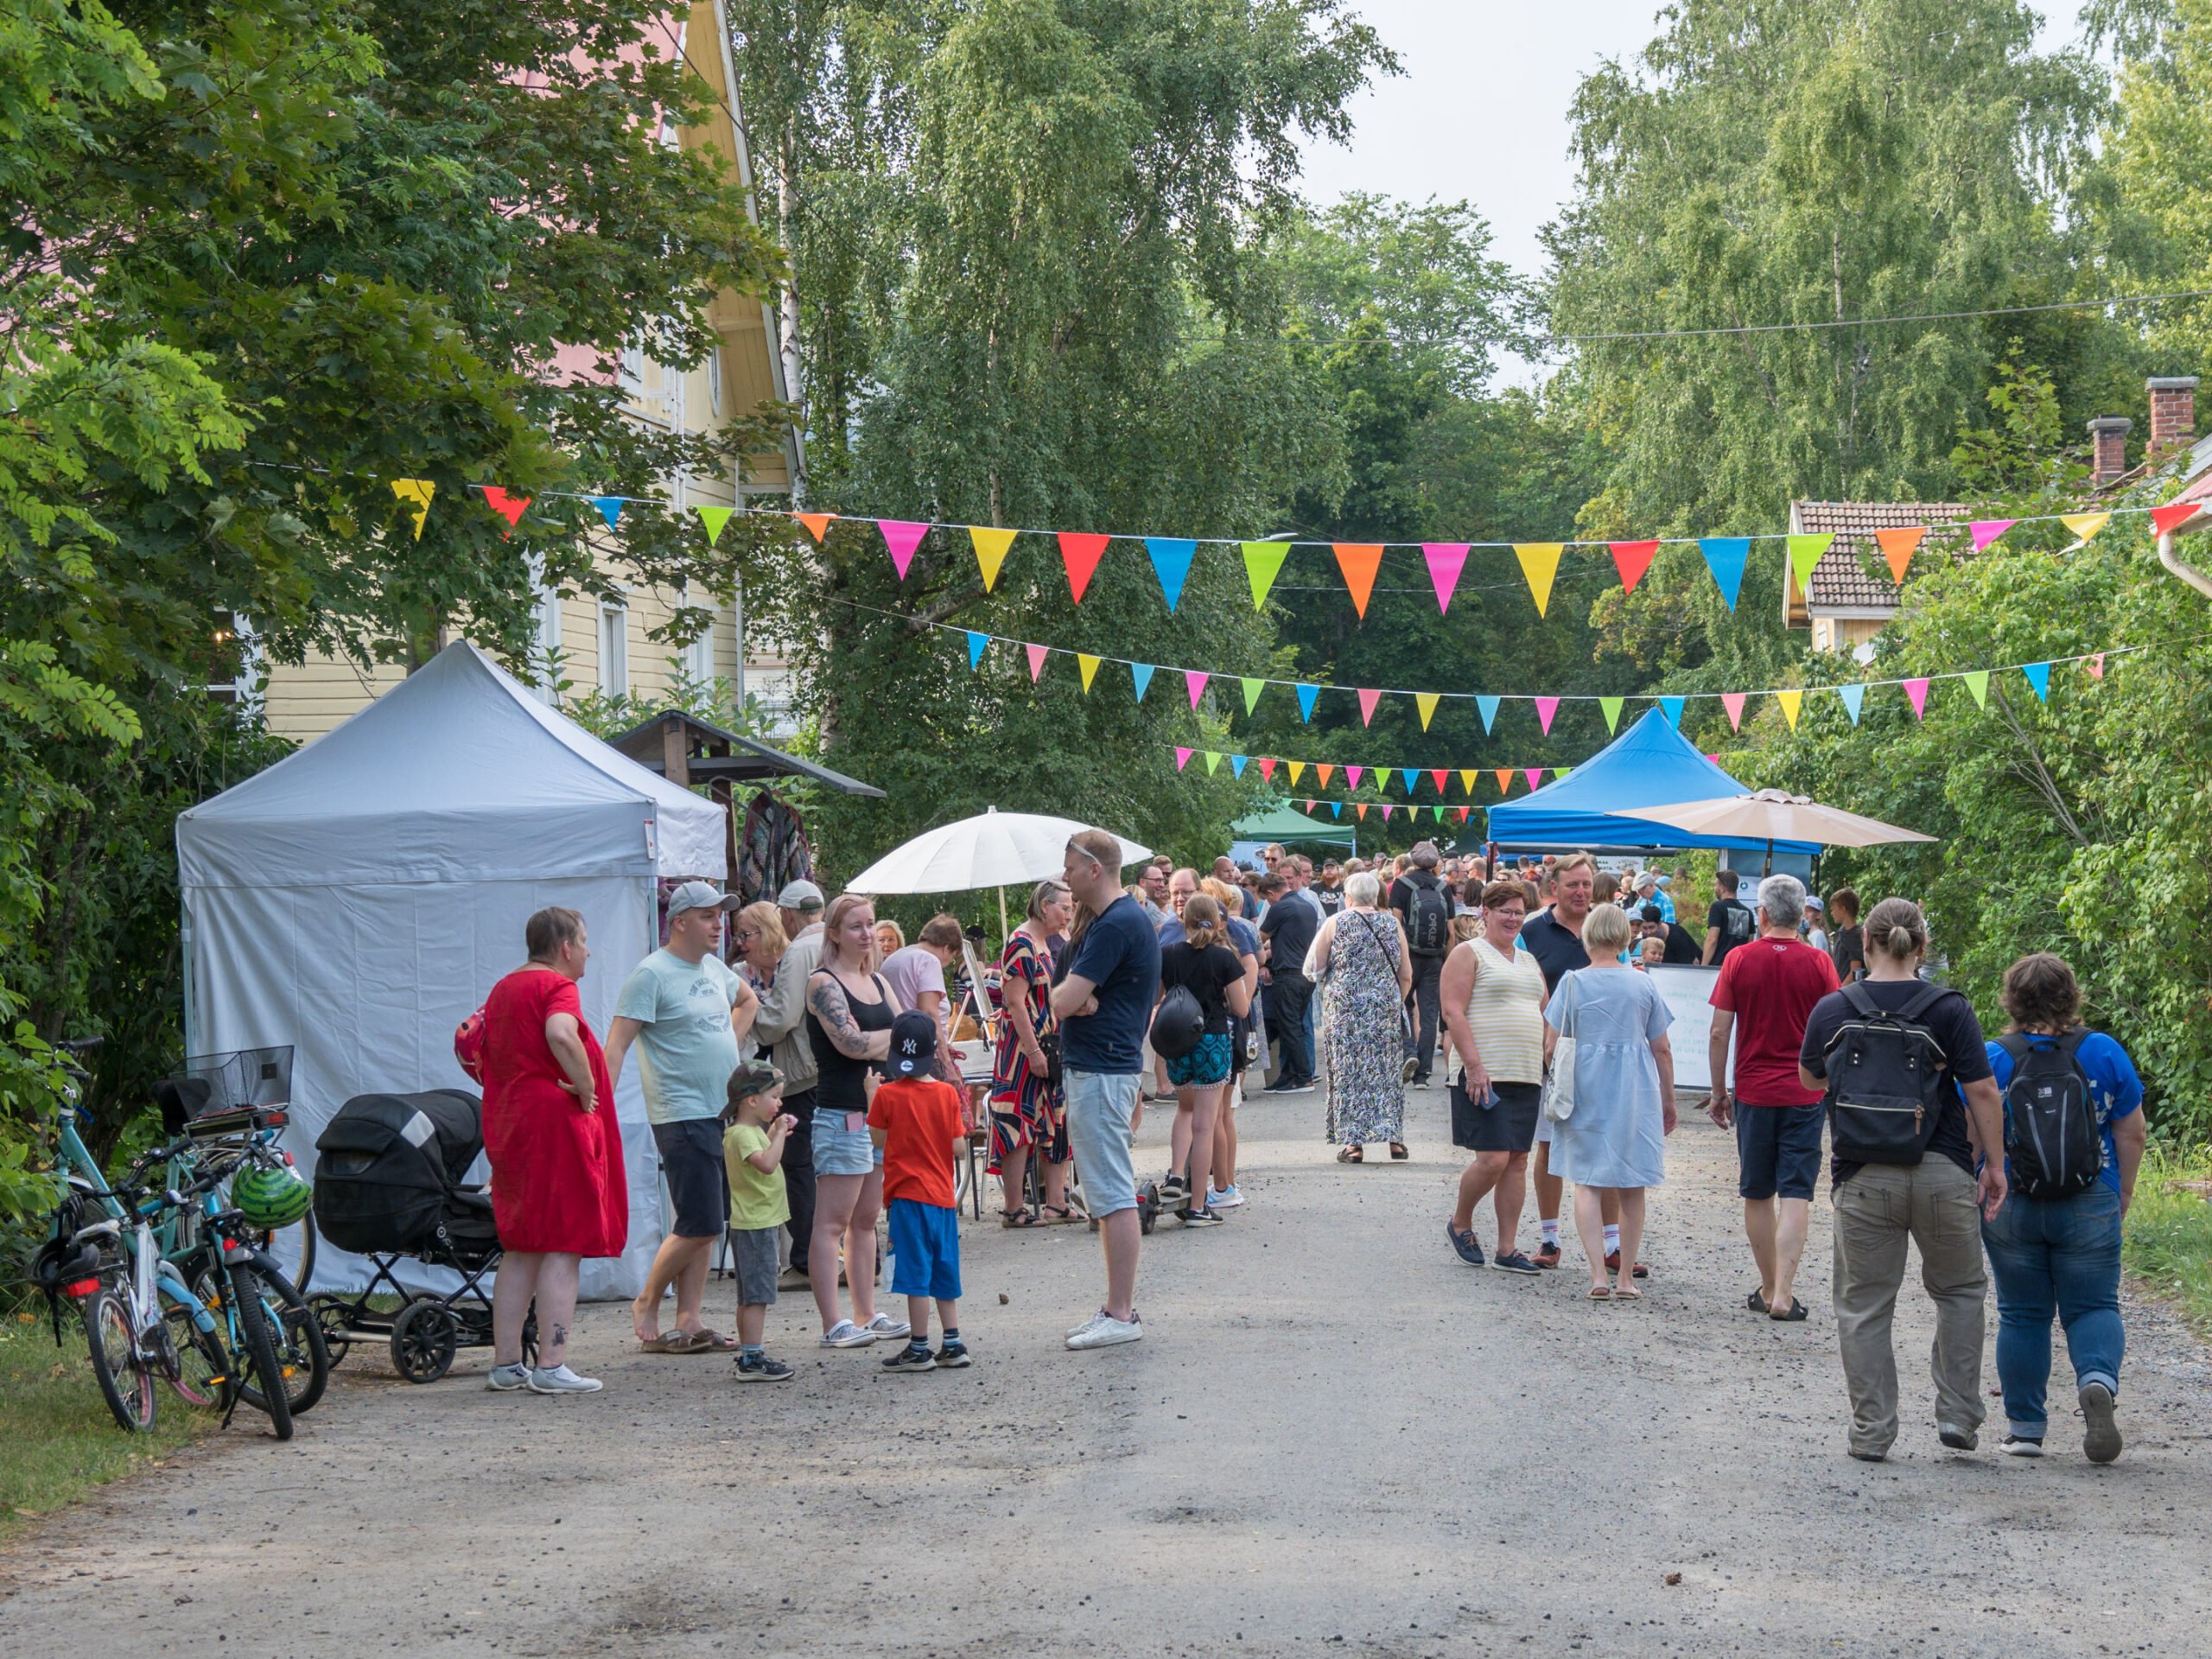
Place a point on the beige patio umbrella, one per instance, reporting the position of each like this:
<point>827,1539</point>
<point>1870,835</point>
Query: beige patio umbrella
<point>1773,815</point>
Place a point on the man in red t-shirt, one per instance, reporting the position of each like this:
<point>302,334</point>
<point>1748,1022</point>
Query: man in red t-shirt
<point>916,1119</point>
<point>1766,992</point>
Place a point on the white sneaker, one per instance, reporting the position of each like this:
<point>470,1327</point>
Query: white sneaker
<point>1107,1332</point>
<point>884,1328</point>
<point>1227,1200</point>
<point>501,1378</point>
<point>846,1334</point>
<point>561,1380</point>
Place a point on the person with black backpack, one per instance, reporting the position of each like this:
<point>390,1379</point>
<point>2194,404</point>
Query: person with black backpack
<point>1916,1130</point>
<point>1424,907</point>
<point>2073,1137</point>
<point>1731,923</point>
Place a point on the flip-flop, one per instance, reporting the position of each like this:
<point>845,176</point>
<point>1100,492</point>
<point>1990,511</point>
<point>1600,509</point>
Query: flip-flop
<point>1398,1152</point>
<point>708,1340</point>
<point>1797,1313</point>
<point>1599,1294</point>
<point>1620,1295</point>
<point>1755,1301</point>
<point>1350,1155</point>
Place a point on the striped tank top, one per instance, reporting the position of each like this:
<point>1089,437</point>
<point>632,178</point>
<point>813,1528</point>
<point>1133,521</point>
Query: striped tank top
<point>1505,1012</point>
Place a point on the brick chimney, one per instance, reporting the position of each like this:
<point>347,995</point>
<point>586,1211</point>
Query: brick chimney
<point>2173,413</point>
<point>2108,448</point>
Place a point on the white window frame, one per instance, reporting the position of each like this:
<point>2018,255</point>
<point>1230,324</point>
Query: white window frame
<point>613,648</point>
<point>545,663</point>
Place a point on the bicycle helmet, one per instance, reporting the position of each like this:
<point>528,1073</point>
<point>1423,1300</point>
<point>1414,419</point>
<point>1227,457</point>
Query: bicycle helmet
<point>269,1198</point>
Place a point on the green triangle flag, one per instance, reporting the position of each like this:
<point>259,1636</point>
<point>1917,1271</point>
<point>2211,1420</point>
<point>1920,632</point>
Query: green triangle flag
<point>1804,553</point>
<point>1977,683</point>
<point>1612,708</point>
<point>1262,564</point>
<point>714,519</point>
<point>1251,692</point>
<point>1213,761</point>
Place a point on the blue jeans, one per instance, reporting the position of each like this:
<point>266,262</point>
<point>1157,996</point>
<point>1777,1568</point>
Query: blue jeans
<point>2055,1257</point>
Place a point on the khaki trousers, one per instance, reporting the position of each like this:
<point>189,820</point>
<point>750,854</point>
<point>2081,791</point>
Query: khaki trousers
<point>1876,1210</point>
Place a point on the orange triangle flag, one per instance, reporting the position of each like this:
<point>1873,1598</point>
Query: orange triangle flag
<point>817,523</point>
<point>1321,771</point>
<point>1359,561</point>
<point>1898,547</point>
<point>1505,780</point>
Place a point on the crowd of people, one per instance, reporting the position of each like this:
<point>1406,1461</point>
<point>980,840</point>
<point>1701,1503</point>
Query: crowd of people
<point>811,1076</point>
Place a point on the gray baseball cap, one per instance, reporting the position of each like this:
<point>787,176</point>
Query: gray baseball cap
<point>697,895</point>
<point>800,895</point>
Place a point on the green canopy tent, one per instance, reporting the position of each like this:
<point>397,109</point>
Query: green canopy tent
<point>1289,826</point>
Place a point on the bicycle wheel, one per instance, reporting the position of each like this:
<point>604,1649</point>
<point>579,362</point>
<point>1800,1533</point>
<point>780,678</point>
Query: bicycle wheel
<point>301,1353</point>
<point>259,1343</point>
<point>293,1248</point>
<point>201,1377</point>
<point>112,1334</point>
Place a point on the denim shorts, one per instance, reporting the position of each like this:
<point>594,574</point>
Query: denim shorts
<point>1100,1105</point>
<point>924,1250</point>
<point>840,1151</point>
<point>1778,1150</point>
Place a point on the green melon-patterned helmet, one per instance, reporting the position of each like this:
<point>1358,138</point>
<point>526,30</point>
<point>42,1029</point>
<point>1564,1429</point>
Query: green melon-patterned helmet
<point>270,1197</point>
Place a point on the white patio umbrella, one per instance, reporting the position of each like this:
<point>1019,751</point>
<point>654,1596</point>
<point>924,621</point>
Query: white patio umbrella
<point>997,849</point>
<point>1775,815</point>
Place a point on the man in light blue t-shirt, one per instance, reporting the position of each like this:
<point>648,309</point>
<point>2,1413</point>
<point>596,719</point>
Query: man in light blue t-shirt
<point>687,1012</point>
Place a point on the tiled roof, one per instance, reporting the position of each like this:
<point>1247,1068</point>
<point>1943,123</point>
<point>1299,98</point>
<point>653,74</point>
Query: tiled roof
<point>1839,580</point>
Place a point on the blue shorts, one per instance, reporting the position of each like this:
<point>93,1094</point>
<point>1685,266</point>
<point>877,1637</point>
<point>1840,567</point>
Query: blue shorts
<point>1204,1066</point>
<point>1100,1105</point>
<point>840,1151</point>
<point>924,1250</point>
<point>1778,1150</point>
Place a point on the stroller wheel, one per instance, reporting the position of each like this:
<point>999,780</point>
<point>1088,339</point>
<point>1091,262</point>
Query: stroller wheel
<point>332,1313</point>
<point>423,1338</point>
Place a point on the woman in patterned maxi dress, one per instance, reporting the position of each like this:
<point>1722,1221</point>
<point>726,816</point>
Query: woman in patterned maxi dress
<point>1366,975</point>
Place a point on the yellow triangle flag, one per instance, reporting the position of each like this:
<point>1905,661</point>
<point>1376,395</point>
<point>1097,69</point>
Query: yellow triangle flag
<point>2084,524</point>
<point>1089,667</point>
<point>419,491</point>
<point>1425,702</point>
<point>1790,701</point>
<point>1467,776</point>
<point>1296,766</point>
<point>990,552</point>
<point>1539,563</point>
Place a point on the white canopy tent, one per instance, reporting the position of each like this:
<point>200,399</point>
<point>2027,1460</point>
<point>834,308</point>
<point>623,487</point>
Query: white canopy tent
<point>359,899</point>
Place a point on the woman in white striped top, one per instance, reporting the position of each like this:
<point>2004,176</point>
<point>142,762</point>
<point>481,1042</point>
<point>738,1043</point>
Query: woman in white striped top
<point>1493,993</point>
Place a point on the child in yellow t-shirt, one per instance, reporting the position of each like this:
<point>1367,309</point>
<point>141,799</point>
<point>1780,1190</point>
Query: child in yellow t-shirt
<point>752,1151</point>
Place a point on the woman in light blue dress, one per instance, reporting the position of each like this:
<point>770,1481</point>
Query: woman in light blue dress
<point>1614,1141</point>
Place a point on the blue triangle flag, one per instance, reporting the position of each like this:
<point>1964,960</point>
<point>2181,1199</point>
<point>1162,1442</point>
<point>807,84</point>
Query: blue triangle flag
<point>1412,775</point>
<point>1725,557</point>
<point>1335,809</point>
<point>1141,673</point>
<point>1171,563</point>
<point>1307,696</point>
<point>2039,677</point>
<point>1489,706</point>
<point>610,508</point>
<point>1236,765</point>
<point>1853,696</point>
<point>976,644</point>
<point>1673,706</point>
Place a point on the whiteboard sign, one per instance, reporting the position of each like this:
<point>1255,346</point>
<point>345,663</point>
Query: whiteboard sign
<point>1687,993</point>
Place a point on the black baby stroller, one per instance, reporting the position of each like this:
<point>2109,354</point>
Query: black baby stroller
<point>389,1183</point>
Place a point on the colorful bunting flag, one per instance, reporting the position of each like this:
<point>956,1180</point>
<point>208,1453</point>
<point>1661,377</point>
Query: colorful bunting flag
<point>1352,775</point>
<point>1079,552</point>
<point>1733,702</point>
<point>1425,702</point>
<point>1194,682</point>
<point>1467,776</point>
<point>1612,708</point>
<point>1089,665</point>
<point>2039,677</point>
<point>1632,559</point>
<point>1183,757</point>
<point>715,518</point>
<point>990,552</point>
<point>1267,769</point>
<point>1367,702</point>
<point>508,506</point>
<point>1297,766</point>
<point>1505,780</point>
<point>1804,553</point>
<point>1321,771</point>
<point>1546,707</point>
<point>2096,666</point>
<point>1359,561</point>
<point>1335,809</point>
<point>1852,696</point>
<point>1213,762</point>
<point>2165,520</point>
<point>2084,524</point>
<point>610,508</point>
<point>1714,759</point>
<point>1489,707</point>
<point>1539,564</point>
<point>1898,547</point>
<point>1037,656</point>
<point>1916,692</point>
<point>1790,701</point>
<point>1977,683</point>
<point>419,491</point>
<point>1171,563</point>
<point>1307,696</point>
<point>1985,530</point>
<point>1387,810</point>
<point>1363,809</point>
<point>817,523</point>
<point>901,537</point>
<point>1725,557</point>
<point>1141,676</point>
<point>1534,775</point>
<point>1236,765</point>
<point>1446,561</point>
<point>1251,692</point>
<point>1672,708</point>
<point>976,642</point>
<point>1262,564</point>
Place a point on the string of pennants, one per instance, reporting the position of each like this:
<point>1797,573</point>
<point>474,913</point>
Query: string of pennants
<point>1359,562</point>
<point>1294,771</point>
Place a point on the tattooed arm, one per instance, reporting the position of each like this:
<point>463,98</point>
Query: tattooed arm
<point>825,1000</point>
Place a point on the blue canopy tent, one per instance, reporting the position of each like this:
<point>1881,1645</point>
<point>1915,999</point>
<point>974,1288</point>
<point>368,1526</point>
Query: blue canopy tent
<point>1591,808</point>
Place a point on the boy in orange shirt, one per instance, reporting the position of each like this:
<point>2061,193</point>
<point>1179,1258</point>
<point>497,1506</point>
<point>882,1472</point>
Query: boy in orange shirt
<point>916,1119</point>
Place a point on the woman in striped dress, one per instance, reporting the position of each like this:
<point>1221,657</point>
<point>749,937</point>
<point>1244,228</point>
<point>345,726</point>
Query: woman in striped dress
<point>1492,993</point>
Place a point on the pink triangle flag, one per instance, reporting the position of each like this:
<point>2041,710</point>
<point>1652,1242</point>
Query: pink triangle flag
<point>2096,666</point>
<point>1367,702</point>
<point>1917,690</point>
<point>1534,774</point>
<point>902,538</point>
<point>1446,561</point>
<point>1546,707</point>
<point>1183,757</point>
<point>1714,759</point>
<point>1353,776</point>
<point>1194,681</point>
<point>1387,810</point>
<point>1985,530</point>
<point>1037,656</point>
<point>1733,702</point>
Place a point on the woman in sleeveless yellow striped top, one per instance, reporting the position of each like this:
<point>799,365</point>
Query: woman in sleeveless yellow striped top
<point>1493,993</point>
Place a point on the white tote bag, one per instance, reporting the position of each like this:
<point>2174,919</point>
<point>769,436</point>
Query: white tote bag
<point>1558,1082</point>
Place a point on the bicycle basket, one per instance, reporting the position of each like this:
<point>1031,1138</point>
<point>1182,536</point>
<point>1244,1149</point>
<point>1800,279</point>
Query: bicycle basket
<point>227,1083</point>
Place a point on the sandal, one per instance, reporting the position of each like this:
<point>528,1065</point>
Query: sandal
<point>675,1341</point>
<point>1797,1312</point>
<point>1056,1215</point>
<point>1350,1155</point>
<point>1600,1294</point>
<point>1755,1301</point>
<point>1020,1218</point>
<point>1398,1152</point>
<point>708,1340</point>
<point>1627,1295</point>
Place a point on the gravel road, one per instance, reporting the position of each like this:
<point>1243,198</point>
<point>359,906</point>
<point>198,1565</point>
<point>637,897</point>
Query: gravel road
<point>1335,1437</point>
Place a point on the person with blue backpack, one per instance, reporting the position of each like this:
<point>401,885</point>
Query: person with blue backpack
<point>2073,1137</point>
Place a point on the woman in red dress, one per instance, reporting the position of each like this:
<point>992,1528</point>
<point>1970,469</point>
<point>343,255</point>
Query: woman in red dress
<point>558,1191</point>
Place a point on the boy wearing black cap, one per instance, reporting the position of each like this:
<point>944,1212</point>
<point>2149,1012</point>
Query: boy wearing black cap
<point>916,1119</point>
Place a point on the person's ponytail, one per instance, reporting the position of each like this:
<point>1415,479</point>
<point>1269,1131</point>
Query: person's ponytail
<point>1896,928</point>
